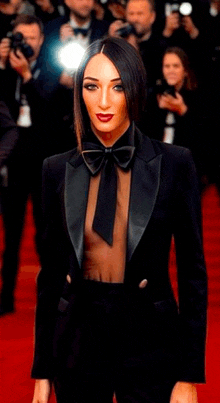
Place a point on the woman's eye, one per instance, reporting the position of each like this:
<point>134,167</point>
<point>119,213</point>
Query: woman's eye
<point>90,87</point>
<point>119,87</point>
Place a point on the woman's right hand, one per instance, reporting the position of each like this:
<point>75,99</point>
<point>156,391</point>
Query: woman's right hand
<point>42,391</point>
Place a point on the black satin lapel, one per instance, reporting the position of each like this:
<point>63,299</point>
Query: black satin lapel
<point>144,190</point>
<point>76,194</point>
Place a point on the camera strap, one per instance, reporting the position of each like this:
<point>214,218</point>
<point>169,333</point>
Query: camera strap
<point>24,117</point>
<point>169,129</point>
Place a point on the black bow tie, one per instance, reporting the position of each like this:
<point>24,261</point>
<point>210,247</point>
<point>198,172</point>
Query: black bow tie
<point>97,157</point>
<point>82,31</point>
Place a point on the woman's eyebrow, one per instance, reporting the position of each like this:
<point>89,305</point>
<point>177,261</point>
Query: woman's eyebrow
<point>90,78</point>
<point>96,79</point>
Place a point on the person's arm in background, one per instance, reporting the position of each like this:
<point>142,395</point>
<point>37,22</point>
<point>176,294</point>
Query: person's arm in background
<point>8,133</point>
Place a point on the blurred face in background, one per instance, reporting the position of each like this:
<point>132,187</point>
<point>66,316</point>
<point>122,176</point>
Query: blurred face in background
<point>139,13</point>
<point>173,70</point>
<point>81,8</point>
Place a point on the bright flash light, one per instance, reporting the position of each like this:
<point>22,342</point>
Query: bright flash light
<point>185,8</point>
<point>70,55</point>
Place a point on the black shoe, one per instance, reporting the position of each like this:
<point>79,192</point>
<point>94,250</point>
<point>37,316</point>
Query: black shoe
<point>4,309</point>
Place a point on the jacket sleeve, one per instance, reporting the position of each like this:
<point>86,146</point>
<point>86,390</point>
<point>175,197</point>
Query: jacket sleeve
<point>51,277</point>
<point>192,280</point>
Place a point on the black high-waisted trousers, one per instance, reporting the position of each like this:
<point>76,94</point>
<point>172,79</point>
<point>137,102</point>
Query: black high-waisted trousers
<point>126,348</point>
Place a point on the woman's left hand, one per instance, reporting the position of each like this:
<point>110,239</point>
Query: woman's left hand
<point>184,392</point>
<point>173,104</point>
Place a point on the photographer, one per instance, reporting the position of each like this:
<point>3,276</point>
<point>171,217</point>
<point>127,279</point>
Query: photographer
<point>175,111</point>
<point>138,31</point>
<point>174,19</point>
<point>185,26</point>
<point>79,26</point>
<point>32,96</point>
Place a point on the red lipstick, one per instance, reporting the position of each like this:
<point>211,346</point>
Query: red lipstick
<point>104,117</point>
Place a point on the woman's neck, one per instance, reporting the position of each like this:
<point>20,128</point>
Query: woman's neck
<point>108,139</point>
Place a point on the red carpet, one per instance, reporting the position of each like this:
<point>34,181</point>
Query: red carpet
<point>16,330</point>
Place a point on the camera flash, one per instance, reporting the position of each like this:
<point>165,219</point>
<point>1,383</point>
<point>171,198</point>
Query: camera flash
<point>185,8</point>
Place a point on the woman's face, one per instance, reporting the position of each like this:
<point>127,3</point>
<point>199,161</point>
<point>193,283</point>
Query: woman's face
<point>173,70</point>
<point>105,100</point>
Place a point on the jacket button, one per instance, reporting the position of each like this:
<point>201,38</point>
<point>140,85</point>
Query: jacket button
<point>143,283</point>
<point>68,278</point>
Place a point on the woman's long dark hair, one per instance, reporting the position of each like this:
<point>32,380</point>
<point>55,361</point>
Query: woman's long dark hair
<point>190,82</point>
<point>131,70</point>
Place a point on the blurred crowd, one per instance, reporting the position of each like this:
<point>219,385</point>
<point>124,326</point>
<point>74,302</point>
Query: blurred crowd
<point>40,44</point>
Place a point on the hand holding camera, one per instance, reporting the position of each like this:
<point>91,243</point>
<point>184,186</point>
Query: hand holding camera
<point>20,64</point>
<point>172,23</point>
<point>121,29</point>
<point>190,27</point>
<point>172,103</point>
<point>15,50</point>
<point>114,27</point>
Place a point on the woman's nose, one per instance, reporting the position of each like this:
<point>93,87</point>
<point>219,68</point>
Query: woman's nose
<point>104,100</point>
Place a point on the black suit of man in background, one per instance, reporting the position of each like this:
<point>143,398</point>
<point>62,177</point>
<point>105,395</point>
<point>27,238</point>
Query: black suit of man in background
<point>34,97</point>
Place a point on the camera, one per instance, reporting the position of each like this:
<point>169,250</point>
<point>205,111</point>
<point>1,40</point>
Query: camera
<point>183,8</point>
<point>18,43</point>
<point>163,88</point>
<point>127,30</point>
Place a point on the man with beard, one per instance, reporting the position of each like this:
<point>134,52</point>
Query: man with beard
<point>141,15</point>
<point>80,25</point>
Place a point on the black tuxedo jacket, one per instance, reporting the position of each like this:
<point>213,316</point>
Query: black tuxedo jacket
<point>164,201</point>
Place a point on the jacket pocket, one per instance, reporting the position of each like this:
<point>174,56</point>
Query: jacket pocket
<point>166,322</point>
<point>166,306</point>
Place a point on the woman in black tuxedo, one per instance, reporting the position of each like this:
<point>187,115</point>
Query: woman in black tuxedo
<point>107,321</point>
